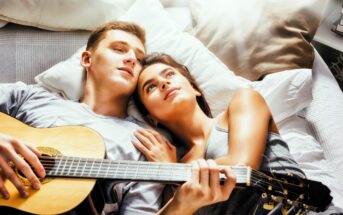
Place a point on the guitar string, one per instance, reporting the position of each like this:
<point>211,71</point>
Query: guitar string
<point>105,164</point>
<point>50,160</point>
<point>253,179</point>
<point>108,167</point>
<point>159,165</point>
<point>160,168</point>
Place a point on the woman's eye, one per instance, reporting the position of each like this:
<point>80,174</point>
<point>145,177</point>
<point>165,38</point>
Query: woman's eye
<point>170,74</point>
<point>150,87</point>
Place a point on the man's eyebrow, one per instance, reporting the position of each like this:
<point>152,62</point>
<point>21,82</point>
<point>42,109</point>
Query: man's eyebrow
<point>120,42</point>
<point>138,51</point>
<point>150,80</point>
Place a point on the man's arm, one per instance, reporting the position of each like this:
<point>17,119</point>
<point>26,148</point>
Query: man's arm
<point>11,96</point>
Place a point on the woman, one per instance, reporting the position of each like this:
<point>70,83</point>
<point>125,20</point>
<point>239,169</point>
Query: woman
<point>245,134</point>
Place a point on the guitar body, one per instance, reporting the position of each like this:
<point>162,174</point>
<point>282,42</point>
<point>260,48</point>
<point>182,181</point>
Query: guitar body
<point>57,195</point>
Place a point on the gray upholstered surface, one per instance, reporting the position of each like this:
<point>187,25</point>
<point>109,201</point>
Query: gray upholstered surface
<point>23,56</point>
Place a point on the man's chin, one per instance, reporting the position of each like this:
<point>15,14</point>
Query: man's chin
<point>124,86</point>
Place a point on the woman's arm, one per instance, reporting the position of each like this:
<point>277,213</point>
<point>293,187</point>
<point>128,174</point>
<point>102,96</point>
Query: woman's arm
<point>248,119</point>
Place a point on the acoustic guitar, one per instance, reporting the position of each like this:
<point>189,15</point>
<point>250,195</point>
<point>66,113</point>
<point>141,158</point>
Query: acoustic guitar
<point>73,160</point>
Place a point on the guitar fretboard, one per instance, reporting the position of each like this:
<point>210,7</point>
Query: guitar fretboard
<point>76,167</point>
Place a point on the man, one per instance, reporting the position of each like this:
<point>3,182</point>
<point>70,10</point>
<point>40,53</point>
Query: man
<point>112,65</point>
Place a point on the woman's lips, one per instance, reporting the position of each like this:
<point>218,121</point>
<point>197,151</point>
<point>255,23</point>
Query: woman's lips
<point>170,92</point>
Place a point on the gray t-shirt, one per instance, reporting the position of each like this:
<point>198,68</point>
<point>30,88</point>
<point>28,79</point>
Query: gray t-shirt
<point>41,109</point>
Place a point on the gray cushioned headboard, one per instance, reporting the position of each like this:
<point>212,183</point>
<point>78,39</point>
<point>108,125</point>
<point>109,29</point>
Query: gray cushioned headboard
<point>27,51</point>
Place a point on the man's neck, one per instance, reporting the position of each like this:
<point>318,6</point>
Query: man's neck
<point>105,103</point>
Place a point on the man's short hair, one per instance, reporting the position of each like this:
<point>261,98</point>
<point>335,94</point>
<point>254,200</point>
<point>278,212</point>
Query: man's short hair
<point>98,34</point>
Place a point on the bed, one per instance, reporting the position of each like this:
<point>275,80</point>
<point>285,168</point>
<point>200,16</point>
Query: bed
<point>305,99</point>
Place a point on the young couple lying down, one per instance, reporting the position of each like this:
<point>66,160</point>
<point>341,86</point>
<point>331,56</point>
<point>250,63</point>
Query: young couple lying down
<point>242,143</point>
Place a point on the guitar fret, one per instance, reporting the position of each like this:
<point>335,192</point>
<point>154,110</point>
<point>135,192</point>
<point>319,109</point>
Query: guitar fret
<point>70,166</point>
<point>97,174</point>
<point>115,173</point>
<point>158,171</point>
<point>172,172</point>
<point>148,170</point>
<point>84,166</point>
<point>91,169</point>
<point>62,170</point>
<point>125,176</point>
<point>77,166</point>
<point>58,166</point>
<point>137,171</point>
<point>108,167</point>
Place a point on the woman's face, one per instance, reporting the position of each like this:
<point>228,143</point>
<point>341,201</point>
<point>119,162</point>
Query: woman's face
<point>165,92</point>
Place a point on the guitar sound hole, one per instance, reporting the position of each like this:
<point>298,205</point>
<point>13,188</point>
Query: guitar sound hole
<point>47,164</point>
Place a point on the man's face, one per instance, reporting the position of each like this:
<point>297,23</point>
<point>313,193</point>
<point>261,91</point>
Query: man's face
<point>115,62</point>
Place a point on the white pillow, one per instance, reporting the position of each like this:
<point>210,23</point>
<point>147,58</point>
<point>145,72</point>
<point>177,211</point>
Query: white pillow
<point>65,77</point>
<point>62,15</point>
<point>258,37</point>
<point>213,77</point>
<point>286,92</point>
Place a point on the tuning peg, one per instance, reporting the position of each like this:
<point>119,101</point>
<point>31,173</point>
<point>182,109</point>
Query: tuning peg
<point>268,205</point>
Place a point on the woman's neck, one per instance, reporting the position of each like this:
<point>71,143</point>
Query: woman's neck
<point>192,128</point>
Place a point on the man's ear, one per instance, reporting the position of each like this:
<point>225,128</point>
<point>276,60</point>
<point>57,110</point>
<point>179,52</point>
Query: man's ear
<point>151,120</point>
<point>86,59</point>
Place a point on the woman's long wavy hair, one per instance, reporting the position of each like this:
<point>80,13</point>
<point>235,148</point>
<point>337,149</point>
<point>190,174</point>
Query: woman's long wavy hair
<point>168,60</point>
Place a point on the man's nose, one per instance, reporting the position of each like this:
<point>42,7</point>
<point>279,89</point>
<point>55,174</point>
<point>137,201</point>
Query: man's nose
<point>130,59</point>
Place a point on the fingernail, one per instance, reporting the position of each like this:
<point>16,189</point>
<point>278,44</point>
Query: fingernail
<point>24,193</point>
<point>5,195</point>
<point>36,185</point>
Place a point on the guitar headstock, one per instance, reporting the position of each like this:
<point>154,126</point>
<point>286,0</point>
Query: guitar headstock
<point>292,191</point>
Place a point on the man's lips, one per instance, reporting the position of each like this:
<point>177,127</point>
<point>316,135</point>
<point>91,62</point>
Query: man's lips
<point>170,92</point>
<point>126,69</point>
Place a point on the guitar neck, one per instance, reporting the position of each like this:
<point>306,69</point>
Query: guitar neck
<point>76,167</point>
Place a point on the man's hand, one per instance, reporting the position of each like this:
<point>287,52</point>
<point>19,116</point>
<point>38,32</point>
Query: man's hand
<point>10,151</point>
<point>203,189</point>
<point>154,146</point>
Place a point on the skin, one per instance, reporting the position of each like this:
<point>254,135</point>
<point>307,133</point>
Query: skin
<point>171,100</point>
<point>112,70</point>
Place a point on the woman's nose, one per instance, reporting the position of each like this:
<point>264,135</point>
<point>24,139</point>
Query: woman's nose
<point>164,84</point>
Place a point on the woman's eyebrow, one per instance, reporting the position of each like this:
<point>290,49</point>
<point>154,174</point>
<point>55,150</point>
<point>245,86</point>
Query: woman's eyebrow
<point>151,79</point>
